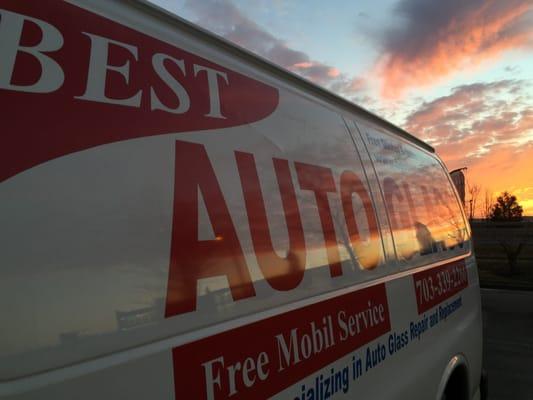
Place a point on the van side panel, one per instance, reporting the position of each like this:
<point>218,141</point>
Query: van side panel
<point>429,229</point>
<point>177,222</point>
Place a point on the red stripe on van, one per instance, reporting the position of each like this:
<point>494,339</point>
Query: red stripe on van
<point>251,361</point>
<point>435,285</point>
<point>62,118</point>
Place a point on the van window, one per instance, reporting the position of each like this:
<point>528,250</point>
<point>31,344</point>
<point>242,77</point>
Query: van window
<point>424,213</point>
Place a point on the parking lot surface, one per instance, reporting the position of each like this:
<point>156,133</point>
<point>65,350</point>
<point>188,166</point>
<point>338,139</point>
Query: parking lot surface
<point>508,343</point>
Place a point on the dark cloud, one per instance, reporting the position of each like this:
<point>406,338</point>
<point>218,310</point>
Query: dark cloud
<point>437,38</point>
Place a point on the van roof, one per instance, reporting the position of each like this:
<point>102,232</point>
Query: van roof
<point>263,63</point>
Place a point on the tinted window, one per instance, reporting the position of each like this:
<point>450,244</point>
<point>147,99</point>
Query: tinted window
<point>425,216</point>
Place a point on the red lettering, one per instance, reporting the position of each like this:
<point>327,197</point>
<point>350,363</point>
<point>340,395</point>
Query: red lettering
<point>282,273</point>
<point>191,259</point>
<point>445,211</point>
<point>410,203</point>
<point>427,204</point>
<point>320,181</point>
<point>108,83</point>
<point>393,190</point>
<point>350,183</point>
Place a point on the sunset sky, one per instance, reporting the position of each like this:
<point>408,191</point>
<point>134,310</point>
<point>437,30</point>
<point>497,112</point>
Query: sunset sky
<point>456,73</point>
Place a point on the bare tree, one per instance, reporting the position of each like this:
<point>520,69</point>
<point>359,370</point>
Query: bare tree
<point>473,194</point>
<point>512,250</point>
<point>488,202</point>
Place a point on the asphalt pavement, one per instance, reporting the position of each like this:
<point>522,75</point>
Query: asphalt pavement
<point>508,343</point>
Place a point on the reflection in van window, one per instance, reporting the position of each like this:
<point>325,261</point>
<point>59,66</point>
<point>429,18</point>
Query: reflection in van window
<point>425,217</point>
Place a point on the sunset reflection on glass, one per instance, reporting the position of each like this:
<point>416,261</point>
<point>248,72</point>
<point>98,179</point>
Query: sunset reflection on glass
<point>424,212</point>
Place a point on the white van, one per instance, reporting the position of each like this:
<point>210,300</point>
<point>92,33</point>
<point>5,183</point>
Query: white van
<point>180,219</point>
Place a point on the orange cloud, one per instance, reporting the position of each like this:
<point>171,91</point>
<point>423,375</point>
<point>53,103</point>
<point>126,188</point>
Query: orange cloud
<point>440,39</point>
<point>486,127</point>
<point>334,72</point>
<point>315,71</point>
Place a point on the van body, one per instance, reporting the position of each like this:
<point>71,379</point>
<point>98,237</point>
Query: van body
<point>180,219</point>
